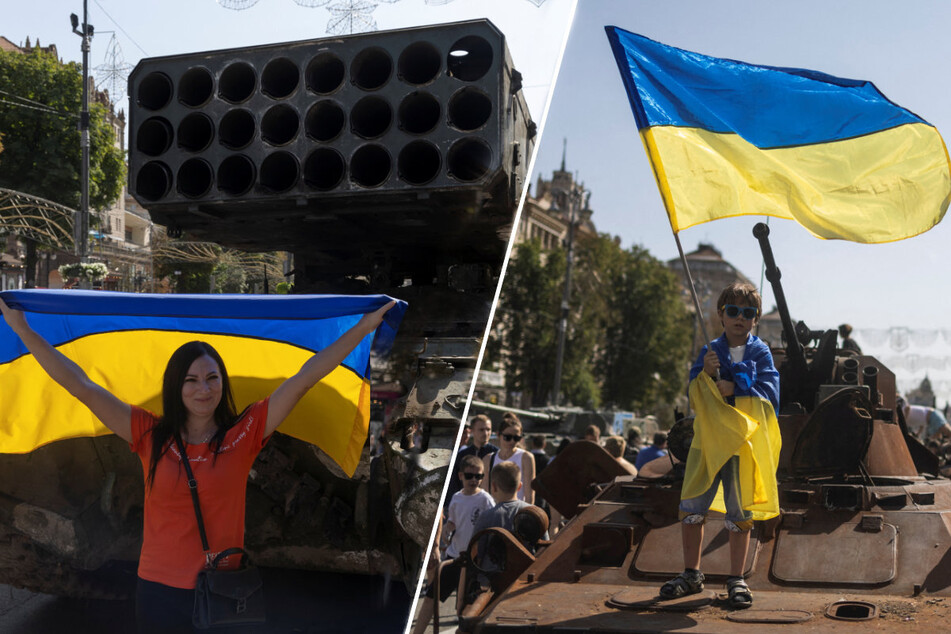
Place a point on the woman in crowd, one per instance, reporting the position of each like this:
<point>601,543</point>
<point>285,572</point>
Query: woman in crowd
<point>510,433</point>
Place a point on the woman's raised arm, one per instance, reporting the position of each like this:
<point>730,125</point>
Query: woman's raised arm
<point>114,414</point>
<point>286,396</point>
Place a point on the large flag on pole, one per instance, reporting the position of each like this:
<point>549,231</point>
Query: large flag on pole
<point>123,341</point>
<point>726,138</point>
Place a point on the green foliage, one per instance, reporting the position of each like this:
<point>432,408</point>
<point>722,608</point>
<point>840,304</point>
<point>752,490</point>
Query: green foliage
<point>42,154</point>
<point>187,277</point>
<point>647,338</point>
<point>230,277</point>
<point>526,319</point>
<point>628,335</point>
<point>284,288</point>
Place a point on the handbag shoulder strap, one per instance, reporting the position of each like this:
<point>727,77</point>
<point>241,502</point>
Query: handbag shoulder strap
<point>193,488</point>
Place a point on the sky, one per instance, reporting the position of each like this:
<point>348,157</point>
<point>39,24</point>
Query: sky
<point>885,291</point>
<point>535,34</point>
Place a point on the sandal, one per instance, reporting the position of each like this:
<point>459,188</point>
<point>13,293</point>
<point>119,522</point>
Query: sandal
<point>740,595</point>
<point>687,582</point>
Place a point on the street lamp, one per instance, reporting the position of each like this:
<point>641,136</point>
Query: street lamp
<point>81,225</point>
<point>578,212</point>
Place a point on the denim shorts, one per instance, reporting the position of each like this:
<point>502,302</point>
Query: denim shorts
<point>735,514</point>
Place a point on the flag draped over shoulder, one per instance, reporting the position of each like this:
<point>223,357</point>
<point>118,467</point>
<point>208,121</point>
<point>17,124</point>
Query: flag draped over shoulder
<point>726,138</point>
<point>748,429</point>
<point>123,341</point>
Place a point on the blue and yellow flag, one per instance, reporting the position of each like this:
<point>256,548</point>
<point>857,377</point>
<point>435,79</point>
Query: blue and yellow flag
<point>749,430</point>
<point>124,340</point>
<point>726,138</point>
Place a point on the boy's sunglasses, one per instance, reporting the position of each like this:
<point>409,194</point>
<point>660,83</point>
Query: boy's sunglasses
<point>511,437</point>
<point>472,476</point>
<point>748,312</point>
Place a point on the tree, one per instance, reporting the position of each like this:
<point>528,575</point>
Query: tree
<point>647,342</point>
<point>230,277</point>
<point>595,257</point>
<point>526,317</point>
<point>188,277</point>
<point>529,309</point>
<point>628,335</point>
<point>41,139</point>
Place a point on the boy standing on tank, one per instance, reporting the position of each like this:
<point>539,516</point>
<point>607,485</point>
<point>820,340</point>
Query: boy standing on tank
<point>734,390</point>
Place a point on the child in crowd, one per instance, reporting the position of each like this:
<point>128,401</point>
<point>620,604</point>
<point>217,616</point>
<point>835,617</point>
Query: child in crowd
<point>734,390</point>
<point>466,506</point>
<point>465,509</point>
<point>506,483</point>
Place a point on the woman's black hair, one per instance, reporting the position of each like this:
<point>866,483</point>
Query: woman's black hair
<point>174,415</point>
<point>509,423</point>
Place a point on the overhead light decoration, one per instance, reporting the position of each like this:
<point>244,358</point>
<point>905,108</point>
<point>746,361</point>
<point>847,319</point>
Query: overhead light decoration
<point>347,16</point>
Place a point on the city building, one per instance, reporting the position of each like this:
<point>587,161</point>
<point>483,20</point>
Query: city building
<point>711,274</point>
<point>546,215</point>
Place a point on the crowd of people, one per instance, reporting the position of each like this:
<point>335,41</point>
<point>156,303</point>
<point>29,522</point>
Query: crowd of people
<point>492,482</point>
<point>532,453</point>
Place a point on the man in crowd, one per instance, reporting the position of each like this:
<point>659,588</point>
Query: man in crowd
<point>658,449</point>
<point>465,509</point>
<point>506,481</point>
<point>925,422</point>
<point>538,450</point>
<point>615,445</point>
<point>593,433</point>
<point>848,343</point>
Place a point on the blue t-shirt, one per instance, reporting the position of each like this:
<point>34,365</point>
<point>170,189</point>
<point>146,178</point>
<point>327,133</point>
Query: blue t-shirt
<point>647,454</point>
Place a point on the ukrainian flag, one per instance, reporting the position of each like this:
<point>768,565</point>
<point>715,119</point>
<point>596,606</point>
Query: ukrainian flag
<point>749,430</point>
<point>124,340</point>
<point>726,138</point>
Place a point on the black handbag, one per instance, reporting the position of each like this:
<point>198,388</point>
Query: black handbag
<point>223,597</point>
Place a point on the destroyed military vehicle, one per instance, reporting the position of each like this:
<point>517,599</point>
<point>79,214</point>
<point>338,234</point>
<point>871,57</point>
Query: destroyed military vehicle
<point>390,163</point>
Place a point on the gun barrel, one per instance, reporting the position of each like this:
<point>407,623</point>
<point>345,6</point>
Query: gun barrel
<point>793,347</point>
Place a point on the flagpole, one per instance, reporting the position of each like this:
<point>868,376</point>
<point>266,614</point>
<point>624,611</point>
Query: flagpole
<point>693,290</point>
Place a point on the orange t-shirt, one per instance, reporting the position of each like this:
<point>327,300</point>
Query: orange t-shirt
<point>171,544</point>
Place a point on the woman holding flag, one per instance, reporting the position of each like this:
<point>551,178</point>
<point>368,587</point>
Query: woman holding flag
<point>200,417</point>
